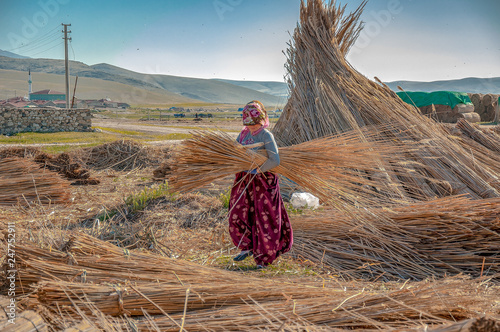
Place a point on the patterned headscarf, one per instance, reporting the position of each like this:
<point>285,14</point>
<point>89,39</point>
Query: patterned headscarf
<point>253,113</point>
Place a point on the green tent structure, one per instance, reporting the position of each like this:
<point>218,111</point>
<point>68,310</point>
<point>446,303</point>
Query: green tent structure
<point>443,106</point>
<point>449,98</point>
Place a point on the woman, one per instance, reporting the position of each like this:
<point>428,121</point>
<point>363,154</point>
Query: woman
<point>258,222</point>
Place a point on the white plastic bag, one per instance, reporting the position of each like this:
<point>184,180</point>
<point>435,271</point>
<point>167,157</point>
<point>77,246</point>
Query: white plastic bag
<point>301,200</point>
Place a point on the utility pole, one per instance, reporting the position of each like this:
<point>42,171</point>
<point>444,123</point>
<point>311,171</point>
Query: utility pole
<point>74,92</point>
<point>66,62</point>
<point>29,84</point>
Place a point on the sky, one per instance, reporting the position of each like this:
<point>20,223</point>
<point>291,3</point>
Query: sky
<point>420,40</point>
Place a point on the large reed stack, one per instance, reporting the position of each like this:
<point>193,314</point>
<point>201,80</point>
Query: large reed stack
<point>329,96</point>
<point>447,236</point>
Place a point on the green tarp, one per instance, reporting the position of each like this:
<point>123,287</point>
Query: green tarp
<point>437,98</point>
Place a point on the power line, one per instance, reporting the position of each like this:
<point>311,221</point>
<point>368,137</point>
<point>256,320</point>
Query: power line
<point>61,43</point>
<point>72,50</point>
<point>41,46</point>
<point>49,34</point>
<point>36,43</point>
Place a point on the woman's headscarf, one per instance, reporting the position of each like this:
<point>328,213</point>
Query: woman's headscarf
<point>254,113</point>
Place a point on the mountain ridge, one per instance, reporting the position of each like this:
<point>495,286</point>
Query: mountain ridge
<point>203,90</point>
<point>12,55</point>
<point>220,90</point>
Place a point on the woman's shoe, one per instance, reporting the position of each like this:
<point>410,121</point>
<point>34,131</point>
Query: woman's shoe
<point>242,255</point>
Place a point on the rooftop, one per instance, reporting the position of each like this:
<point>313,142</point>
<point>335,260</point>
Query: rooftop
<point>48,92</point>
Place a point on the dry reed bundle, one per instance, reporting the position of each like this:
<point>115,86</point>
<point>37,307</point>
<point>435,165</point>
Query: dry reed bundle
<point>337,168</point>
<point>364,311</point>
<point>196,308</point>
<point>20,152</point>
<point>482,154</point>
<point>198,298</point>
<point>121,155</point>
<point>489,140</point>
<point>329,96</point>
<point>446,236</point>
<point>24,321</point>
<point>61,163</point>
<point>86,259</point>
<point>22,181</point>
<point>474,324</point>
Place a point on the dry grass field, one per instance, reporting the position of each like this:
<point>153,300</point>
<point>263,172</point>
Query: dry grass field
<point>124,252</point>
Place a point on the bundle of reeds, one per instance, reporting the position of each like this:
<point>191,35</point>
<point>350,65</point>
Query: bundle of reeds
<point>329,96</point>
<point>86,259</point>
<point>480,152</point>
<point>20,152</point>
<point>20,321</point>
<point>474,324</point>
<point>23,181</point>
<point>61,163</point>
<point>92,279</point>
<point>442,237</point>
<point>489,140</point>
<point>121,155</point>
<point>196,307</point>
<point>338,169</point>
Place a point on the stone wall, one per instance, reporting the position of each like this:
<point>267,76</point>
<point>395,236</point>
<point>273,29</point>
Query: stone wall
<point>43,120</point>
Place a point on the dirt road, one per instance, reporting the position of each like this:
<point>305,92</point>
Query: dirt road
<point>167,127</point>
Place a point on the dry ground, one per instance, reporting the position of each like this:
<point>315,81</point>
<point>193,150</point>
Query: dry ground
<point>122,209</point>
<point>171,126</point>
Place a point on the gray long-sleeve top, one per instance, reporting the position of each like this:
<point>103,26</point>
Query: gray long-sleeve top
<point>270,146</point>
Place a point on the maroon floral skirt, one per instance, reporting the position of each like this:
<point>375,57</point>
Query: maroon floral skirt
<point>257,217</point>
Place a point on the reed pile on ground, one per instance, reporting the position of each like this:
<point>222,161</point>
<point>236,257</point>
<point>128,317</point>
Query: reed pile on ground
<point>488,138</point>
<point>20,152</point>
<point>472,143</point>
<point>65,165</point>
<point>338,169</point>
<point>23,181</point>
<point>482,324</point>
<point>25,321</point>
<point>121,155</point>
<point>90,278</point>
<point>329,96</point>
<point>447,236</point>
<point>61,163</point>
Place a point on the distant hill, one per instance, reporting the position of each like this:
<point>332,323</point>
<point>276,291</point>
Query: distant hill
<point>279,89</point>
<point>471,84</point>
<point>201,90</point>
<point>208,90</point>
<point>12,55</point>
<point>14,83</point>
